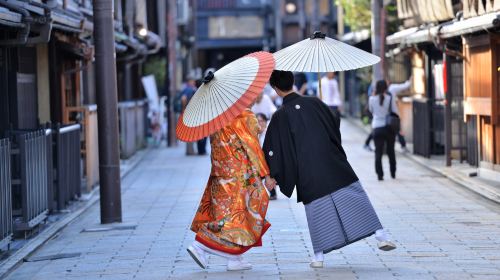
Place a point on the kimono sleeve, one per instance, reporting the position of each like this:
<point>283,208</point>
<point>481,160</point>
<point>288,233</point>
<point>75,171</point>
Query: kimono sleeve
<point>250,142</point>
<point>279,150</point>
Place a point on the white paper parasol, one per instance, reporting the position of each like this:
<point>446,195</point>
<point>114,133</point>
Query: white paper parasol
<point>322,54</point>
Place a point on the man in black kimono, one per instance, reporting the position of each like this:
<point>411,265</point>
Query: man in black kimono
<point>303,150</point>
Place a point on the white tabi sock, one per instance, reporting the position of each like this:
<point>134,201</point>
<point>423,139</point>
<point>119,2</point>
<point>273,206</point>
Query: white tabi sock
<point>381,235</point>
<point>200,246</point>
<point>318,257</point>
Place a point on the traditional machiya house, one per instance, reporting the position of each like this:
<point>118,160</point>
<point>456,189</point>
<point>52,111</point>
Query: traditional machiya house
<point>137,25</point>
<point>48,111</point>
<point>357,82</point>
<point>453,51</point>
<point>300,18</point>
<point>42,170</point>
<point>227,30</point>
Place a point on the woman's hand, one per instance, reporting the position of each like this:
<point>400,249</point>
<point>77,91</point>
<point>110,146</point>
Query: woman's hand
<point>270,183</point>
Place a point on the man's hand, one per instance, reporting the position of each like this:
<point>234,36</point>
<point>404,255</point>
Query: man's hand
<point>270,183</point>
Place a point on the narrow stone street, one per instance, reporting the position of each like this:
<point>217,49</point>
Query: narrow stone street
<point>443,231</point>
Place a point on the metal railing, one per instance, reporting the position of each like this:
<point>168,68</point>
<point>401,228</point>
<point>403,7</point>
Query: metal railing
<point>68,179</point>
<point>133,117</point>
<point>30,177</point>
<point>50,172</point>
<point>6,228</point>
<point>128,134</point>
<point>141,121</point>
<point>87,116</point>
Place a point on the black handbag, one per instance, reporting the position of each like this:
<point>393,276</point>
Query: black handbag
<point>392,120</point>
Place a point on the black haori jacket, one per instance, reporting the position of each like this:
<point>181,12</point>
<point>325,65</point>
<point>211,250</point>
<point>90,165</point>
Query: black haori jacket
<point>303,149</point>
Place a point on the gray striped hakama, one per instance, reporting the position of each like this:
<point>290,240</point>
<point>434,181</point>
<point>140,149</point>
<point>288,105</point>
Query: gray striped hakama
<point>341,218</point>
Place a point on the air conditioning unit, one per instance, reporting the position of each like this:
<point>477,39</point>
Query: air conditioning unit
<point>182,12</point>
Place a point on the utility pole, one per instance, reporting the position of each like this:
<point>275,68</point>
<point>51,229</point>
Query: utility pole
<point>302,19</point>
<point>171,79</point>
<point>377,39</point>
<point>107,112</point>
<point>278,30</point>
<point>315,24</point>
<point>447,111</point>
<point>340,33</point>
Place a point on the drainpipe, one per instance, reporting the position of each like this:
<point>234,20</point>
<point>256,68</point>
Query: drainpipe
<point>22,37</point>
<point>44,30</point>
<point>447,113</point>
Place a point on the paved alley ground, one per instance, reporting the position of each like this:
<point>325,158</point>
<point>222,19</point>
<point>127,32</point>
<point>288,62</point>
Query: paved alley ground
<point>443,231</point>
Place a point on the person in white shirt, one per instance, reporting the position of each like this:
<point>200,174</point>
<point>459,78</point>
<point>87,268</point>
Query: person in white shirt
<point>330,93</point>
<point>264,104</point>
<point>394,90</point>
<point>269,91</point>
<point>380,106</point>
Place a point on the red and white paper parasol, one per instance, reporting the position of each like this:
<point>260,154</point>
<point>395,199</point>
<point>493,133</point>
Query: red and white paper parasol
<point>224,95</point>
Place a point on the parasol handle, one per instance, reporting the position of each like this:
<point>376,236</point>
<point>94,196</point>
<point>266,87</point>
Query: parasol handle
<point>318,35</point>
<point>210,75</point>
<point>320,90</point>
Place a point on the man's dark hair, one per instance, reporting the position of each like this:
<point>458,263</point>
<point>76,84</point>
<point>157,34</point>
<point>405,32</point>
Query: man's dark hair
<point>282,80</point>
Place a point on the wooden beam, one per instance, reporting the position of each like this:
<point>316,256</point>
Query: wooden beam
<point>477,106</point>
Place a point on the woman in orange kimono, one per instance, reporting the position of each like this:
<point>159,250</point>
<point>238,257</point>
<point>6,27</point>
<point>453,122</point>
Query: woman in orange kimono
<point>231,217</point>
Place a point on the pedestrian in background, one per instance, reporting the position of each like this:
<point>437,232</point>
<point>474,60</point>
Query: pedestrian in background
<point>156,128</point>
<point>393,90</point>
<point>380,105</point>
<point>300,83</point>
<point>201,145</point>
<point>264,105</point>
<point>269,91</point>
<point>186,94</point>
<point>330,93</point>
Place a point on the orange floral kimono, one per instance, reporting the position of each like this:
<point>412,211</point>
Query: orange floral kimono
<point>231,215</point>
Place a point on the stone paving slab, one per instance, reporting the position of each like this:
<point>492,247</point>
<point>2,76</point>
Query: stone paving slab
<point>443,231</point>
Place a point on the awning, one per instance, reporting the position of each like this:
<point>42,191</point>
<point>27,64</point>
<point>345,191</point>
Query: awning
<point>399,37</point>
<point>446,30</point>
<point>356,37</point>
<point>9,18</point>
<point>66,21</point>
<point>34,8</point>
<point>470,25</point>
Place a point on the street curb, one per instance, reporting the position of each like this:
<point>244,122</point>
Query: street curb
<point>31,246</point>
<point>479,188</point>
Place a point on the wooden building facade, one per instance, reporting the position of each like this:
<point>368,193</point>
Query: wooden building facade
<point>48,111</point>
<point>482,95</point>
<point>461,36</point>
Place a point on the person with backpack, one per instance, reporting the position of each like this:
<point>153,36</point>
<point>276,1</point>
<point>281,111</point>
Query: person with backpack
<point>385,126</point>
<point>186,94</point>
<point>393,90</point>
